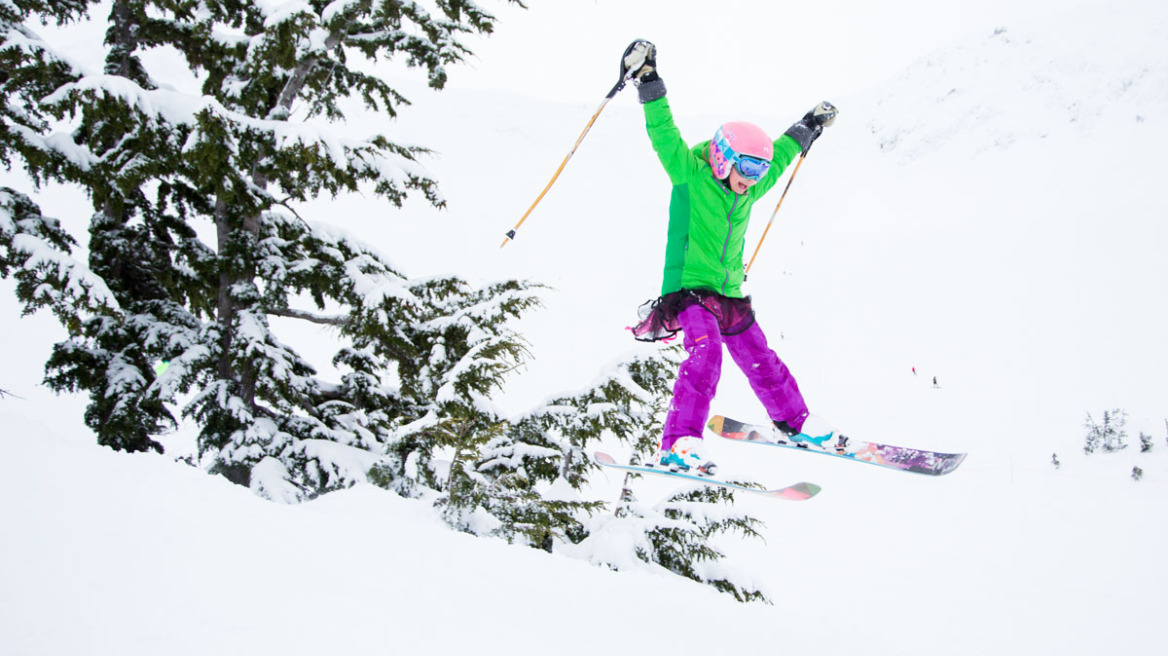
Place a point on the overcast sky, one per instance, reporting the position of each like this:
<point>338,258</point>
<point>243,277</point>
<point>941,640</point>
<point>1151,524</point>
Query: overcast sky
<point>716,56</point>
<point>752,52</point>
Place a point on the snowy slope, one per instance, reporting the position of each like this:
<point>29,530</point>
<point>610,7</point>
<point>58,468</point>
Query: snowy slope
<point>112,554</point>
<point>992,217</point>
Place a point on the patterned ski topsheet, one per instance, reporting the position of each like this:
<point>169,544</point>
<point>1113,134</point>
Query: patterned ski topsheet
<point>917,461</point>
<point>796,492</point>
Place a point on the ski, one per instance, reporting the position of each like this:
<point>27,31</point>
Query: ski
<point>917,461</point>
<point>796,492</point>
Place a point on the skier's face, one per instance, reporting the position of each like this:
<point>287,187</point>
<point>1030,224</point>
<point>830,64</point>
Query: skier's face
<point>739,184</point>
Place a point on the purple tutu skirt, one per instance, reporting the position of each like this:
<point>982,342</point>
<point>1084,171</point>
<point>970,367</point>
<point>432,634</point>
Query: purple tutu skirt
<point>658,318</point>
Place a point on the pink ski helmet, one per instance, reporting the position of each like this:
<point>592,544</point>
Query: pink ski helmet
<point>736,140</point>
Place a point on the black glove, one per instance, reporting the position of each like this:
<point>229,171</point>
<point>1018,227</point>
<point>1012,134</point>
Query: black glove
<point>808,129</point>
<point>640,64</point>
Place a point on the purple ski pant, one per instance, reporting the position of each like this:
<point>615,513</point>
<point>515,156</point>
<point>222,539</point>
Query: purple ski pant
<point>697,379</point>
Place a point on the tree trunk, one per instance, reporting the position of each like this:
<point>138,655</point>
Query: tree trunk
<point>227,305</point>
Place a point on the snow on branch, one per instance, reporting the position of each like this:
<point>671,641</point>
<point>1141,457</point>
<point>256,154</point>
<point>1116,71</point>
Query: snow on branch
<point>24,39</point>
<point>182,109</point>
<point>308,316</point>
<point>38,249</point>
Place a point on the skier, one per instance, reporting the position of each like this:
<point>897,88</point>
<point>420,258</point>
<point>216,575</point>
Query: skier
<point>715,184</point>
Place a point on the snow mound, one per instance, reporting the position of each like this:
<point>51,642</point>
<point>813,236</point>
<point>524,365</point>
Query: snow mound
<point>1073,78</point>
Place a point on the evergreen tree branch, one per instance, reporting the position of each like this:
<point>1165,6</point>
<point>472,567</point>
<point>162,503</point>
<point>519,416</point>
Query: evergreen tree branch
<point>308,316</point>
<point>155,158</point>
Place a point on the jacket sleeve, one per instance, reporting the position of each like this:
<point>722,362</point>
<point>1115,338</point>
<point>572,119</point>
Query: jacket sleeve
<point>786,150</point>
<point>671,149</point>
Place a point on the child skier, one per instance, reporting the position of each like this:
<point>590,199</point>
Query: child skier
<point>715,184</point>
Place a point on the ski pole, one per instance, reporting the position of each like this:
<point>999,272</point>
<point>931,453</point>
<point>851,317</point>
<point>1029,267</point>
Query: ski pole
<point>775,213</point>
<point>619,85</point>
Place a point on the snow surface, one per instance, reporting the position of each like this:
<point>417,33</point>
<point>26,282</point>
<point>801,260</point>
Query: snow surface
<point>992,216</point>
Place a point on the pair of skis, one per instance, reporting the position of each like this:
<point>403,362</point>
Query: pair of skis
<point>918,461</point>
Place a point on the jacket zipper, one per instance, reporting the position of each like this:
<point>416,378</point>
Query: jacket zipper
<point>726,245</point>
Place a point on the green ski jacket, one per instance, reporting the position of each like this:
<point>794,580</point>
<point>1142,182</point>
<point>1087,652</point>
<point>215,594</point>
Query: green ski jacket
<point>707,221</point>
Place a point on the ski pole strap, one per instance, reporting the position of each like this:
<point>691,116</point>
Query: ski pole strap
<point>616,89</point>
<point>775,213</point>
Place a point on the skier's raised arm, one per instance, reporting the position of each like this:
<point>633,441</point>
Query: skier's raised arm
<point>641,59</point>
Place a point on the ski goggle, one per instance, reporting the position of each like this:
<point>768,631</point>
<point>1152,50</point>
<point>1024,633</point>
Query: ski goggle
<point>751,168</point>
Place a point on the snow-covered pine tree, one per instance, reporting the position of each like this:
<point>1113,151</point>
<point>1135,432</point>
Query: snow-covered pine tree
<point>34,249</point>
<point>678,532</point>
<point>542,461</point>
<point>130,161</point>
<point>463,349</point>
<point>36,252</point>
<point>520,479</point>
<point>155,159</point>
<point>686,548</point>
<point>30,69</point>
<point>1110,435</point>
